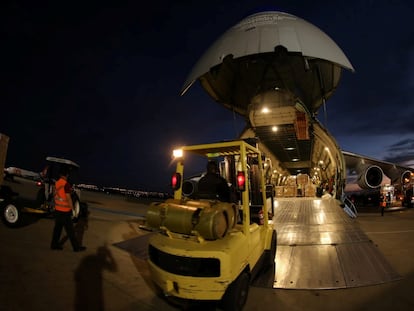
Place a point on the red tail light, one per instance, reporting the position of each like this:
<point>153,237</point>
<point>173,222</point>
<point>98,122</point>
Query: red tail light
<point>176,181</point>
<point>241,181</point>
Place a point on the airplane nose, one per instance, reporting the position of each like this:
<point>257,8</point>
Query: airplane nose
<point>270,50</point>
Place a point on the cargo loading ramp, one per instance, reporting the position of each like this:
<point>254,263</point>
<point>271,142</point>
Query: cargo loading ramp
<point>320,247</point>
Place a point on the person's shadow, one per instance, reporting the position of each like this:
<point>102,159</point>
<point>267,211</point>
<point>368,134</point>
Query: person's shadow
<point>88,279</point>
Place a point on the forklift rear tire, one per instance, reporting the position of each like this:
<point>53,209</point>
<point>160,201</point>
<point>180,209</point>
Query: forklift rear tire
<point>236,294</point>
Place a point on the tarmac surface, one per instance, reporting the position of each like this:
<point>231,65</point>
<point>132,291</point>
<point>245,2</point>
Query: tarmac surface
<point>106,277</point>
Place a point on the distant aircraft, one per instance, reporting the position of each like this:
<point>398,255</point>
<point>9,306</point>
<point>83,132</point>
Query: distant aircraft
<point>370,181</point>
<point>277,71</point>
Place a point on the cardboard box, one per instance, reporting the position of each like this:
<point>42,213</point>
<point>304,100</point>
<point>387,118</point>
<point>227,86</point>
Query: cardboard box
<point>279,191</point>
<point>289,191</point>
<point>310,190</point>
<point>302,179</point>
<point>291,181</point>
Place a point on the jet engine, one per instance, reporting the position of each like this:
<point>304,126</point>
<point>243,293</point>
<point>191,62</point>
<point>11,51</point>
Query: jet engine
<point>406,178</point>
<point>370,176</point>
<point>190,187</point>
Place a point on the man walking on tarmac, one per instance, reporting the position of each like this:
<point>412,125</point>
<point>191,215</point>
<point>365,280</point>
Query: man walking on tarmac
<point>63,212</point>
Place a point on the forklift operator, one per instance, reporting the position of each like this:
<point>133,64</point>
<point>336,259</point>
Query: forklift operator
<point>212,185</point>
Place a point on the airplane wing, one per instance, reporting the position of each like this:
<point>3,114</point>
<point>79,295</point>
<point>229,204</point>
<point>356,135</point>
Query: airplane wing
<point>371,171</point>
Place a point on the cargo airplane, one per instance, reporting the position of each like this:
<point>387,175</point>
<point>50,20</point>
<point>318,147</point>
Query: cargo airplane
<point>277,70</point>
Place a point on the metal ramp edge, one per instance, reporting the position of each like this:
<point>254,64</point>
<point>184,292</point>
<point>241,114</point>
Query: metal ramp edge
<point>320,247</point>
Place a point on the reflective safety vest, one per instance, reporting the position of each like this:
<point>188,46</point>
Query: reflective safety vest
<point>61,202</point>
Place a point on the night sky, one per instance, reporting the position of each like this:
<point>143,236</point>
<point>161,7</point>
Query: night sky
<point>99,84</point>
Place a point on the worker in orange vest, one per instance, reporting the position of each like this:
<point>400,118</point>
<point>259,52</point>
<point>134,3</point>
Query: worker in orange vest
<point>383,204</point>
<point>63,212</point>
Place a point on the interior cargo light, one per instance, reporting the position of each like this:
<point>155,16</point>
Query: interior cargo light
<point>241,181</point>
<point>176,181</point>
<point>265,110</point>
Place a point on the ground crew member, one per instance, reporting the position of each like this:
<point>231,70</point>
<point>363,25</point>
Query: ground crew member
<point>212,185</point>
<point>63,212</point>
<point>383,204</point>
